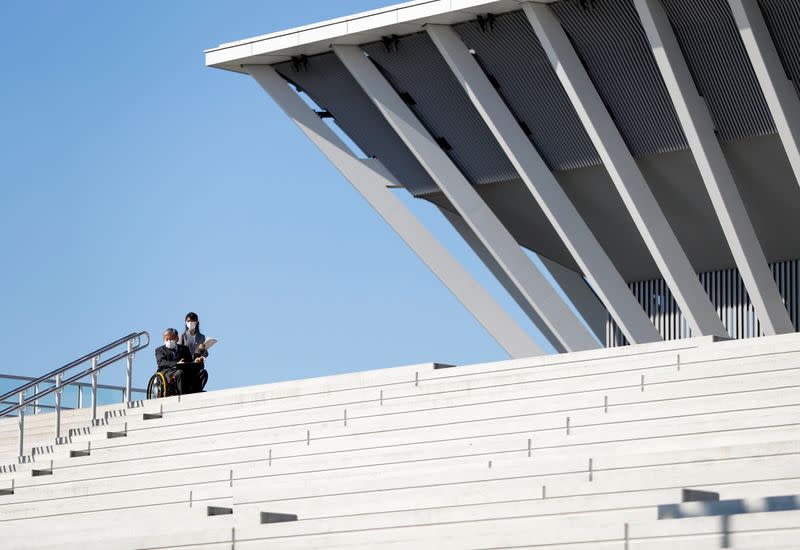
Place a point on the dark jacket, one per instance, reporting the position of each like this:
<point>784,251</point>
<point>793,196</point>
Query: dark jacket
<point>199,338</point>
<point>168,358</point>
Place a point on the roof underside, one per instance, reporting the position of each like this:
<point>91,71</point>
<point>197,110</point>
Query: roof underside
<point>609,39</point>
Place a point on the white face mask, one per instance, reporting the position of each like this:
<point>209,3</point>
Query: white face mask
<point>191,325</point>
<point>171,344</point>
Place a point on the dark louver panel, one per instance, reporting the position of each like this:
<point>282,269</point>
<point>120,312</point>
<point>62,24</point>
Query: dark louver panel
<point>727,293</point>
<point>419,73</point>
<point>328,83</point>
<point>608,36</point>
<point>783,20</point>
<point>716,56</point>
<point>510,52</point>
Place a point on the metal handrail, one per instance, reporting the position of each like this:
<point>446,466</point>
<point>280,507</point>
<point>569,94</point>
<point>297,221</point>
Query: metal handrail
<point>40,406</point>
<point>142,340</point>
<point>76,384</point>
<point>75,363</point>
<point>79,387</point>
<point>60,384</point>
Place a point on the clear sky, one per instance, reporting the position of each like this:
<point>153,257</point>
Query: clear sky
<point>138,185</point>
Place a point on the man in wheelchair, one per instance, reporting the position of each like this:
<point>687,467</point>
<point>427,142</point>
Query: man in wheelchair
<point>178,372</point>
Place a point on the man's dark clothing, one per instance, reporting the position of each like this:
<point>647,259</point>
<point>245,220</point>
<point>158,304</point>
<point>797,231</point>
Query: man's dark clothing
<point>168,358</point>
<point>190,377</point>
<point>194,377</point>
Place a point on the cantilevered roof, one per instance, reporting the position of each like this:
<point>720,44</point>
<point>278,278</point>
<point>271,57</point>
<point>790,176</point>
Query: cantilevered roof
<point>368,26</point>
<point>612,45</point>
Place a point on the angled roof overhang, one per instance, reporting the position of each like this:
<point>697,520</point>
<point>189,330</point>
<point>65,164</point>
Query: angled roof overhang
<point>360,28</point>
<point>614,49</point>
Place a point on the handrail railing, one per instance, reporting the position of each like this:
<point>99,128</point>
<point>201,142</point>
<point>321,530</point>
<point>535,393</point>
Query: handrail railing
<point>79,388</point>
<point>75,363</point>
<point>142,340</point>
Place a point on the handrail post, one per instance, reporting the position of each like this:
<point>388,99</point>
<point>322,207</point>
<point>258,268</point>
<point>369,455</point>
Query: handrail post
<point>58,407</point>
<point>94,388</point>
<point>128,373</point>
<point>56,378</point>
<point>21,423</point>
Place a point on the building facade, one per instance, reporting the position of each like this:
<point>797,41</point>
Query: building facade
<point>646,150</point>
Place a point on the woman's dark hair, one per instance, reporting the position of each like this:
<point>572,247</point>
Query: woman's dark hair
<point>192,316</point>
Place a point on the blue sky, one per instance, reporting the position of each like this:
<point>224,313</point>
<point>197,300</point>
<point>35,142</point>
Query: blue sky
<point>138,185</point>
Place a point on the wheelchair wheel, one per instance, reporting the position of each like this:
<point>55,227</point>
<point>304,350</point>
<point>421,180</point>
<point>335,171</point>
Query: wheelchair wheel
<point>157,386</point>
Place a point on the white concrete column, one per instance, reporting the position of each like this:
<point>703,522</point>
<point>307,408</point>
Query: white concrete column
<point>370,181</point>
<point>582,296</point>
<point>491,264</point>
<point>778,90</point>
<point>540,181</point>
<point>564,324</point>
<point>698,128</point>
<point>626,175</point>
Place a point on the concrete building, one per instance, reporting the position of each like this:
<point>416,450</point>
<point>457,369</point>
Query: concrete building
<point>647,152</point>
<point>645,147</point>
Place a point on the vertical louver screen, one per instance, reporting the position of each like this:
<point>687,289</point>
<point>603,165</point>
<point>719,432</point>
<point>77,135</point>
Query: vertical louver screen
<point>727,293</point>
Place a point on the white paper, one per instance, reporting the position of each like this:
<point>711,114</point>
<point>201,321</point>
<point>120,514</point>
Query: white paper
<point>209,342</point>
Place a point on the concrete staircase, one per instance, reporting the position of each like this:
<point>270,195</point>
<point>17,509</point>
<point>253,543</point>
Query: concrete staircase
<point>576,451</point>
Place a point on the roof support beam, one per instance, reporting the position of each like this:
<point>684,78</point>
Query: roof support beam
<point>540,181</point>
<point>582,296</point>
<point>491,264</point>
<point>626,175</point>
<point>778,90</point>
<point>698,127</point>
<point>372,184</point>
<point>536,289</point>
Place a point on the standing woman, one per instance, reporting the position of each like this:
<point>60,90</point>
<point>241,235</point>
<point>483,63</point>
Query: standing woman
<point>193,339</point>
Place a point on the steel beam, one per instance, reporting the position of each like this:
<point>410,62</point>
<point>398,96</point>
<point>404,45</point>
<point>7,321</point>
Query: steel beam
<point>540,181</point>
<point>698,128</point>
<point>491,264</point>
<point>778,90</point>
<point>564,324</point>
<point>650,220</point>
<point>369,179</point>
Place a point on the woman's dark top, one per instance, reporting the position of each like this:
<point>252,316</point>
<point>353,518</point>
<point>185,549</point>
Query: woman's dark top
<point>191,341</point>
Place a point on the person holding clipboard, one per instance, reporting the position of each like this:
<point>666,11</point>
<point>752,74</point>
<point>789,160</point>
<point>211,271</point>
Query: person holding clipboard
<point>198,346</point>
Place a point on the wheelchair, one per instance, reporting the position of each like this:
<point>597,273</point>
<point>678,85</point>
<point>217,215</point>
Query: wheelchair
<point>162,384</point>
